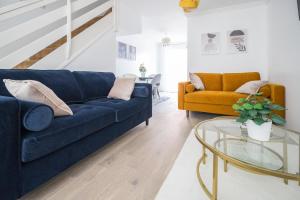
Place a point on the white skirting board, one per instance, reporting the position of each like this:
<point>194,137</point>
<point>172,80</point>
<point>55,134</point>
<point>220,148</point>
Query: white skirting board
<point>236,184</point>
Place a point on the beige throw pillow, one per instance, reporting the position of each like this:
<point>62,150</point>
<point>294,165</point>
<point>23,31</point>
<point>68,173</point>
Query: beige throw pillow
<point>251,87</point>
<point>122,89</point>
<point>196,81</point>
<point>34,91</point>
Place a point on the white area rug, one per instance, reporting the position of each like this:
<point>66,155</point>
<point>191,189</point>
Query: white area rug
<point>236,184</point>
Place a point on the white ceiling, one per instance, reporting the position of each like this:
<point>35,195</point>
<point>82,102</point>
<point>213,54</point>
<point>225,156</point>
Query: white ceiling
<point>152,8</point>
<point>167,18</point>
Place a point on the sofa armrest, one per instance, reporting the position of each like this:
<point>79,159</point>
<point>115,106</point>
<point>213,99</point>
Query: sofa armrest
<point>9,148</point>
<point>181,93</point>
<point>278,96</point>
<point>138,89</point>
<point>141,91</point>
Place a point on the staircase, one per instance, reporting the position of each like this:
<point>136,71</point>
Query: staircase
<point>55,31</point>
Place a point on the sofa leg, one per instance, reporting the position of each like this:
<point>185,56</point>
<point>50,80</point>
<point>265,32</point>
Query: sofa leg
<point>187,113</point>
<point>147,122</point>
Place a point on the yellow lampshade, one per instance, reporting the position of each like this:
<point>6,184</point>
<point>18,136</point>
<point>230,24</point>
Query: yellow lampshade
<point>189,5</point>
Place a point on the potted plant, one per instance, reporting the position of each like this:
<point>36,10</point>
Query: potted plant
<point>257,113</point>
<point>142,70</point>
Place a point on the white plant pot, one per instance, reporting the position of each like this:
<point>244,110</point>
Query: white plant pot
<point>259,132</point>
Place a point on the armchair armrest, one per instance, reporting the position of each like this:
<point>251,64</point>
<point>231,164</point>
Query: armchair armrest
<point>278,96</point>
<point>181,93</point>
<point>9,148</point>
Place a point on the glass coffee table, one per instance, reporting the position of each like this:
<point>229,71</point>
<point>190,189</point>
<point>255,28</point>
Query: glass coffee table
<point>227,139</point>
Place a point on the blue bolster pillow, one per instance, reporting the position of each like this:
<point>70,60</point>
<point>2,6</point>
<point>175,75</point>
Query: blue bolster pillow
<point>36,116</point>
<point>140,91</point>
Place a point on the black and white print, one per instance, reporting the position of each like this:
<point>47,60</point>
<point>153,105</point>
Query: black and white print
<point>210,43</point>
<point>237,41</point>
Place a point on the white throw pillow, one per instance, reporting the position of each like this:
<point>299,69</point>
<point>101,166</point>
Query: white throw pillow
<point>122,89</point>
<point>34,91</point>
<point>251,87</point>
<point>197,82</point>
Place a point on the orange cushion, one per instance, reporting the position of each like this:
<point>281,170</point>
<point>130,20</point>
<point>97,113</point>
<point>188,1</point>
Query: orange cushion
<point>266,91</point>
<point>211,81</point>
<point>214,97</point>
<point>232,81</point>
<point>189,88</point>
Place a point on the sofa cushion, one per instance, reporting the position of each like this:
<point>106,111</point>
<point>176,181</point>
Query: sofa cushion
<point>189,88</point>
<point>35,116</point>
<point>214,97</point>
<point>122,89</point>
<point>94,84</point>
<point>86,120</point>
<point>211,81</point>
<point>62,82</point>
<point>35,91</point>
<point>232,81</point>
<point>123,109</point>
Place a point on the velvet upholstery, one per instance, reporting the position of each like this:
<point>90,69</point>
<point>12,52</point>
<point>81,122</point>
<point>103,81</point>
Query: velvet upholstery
<point>189,88</point>
<point>94,84</point>
<point>29,159</point>
<point>39,171</point>
<point>232,81</point>
<point>266,91</point>
<point>65,130</point>
<point>35,116</point>
<point>140,91</point>
<point>214,97</point>
<point>218,96</point>
<point>9,148</point>
<point>122,109</point>
<point>211,81</point>
<point>62,82</point>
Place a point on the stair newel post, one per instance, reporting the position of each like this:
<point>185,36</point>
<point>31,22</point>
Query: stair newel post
<point>115,13</point>
<point>69,30</point>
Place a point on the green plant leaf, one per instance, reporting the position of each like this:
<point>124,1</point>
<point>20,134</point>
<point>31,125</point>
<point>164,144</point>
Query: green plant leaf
<point>258,106</point>
<point>258,94</point>
<point>252,113</point>
<point>241,100</point>
<point>242,120</point>
<point>259,121</point>
<point>247,106</point>
<point>264,112</point>
<point>277,107</point>
<point>236,106</point>
<point>278,119</point>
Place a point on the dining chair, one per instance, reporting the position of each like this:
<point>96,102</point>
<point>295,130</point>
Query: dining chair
<point>155,85</point>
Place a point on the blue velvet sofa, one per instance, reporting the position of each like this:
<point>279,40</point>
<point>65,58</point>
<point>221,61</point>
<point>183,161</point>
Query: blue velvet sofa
<point>30,158</point>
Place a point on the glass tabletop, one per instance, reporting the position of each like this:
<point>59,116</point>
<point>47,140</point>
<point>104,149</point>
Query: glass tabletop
<point>228,137</point>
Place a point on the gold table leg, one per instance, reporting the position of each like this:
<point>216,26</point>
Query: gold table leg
<point>204,155</point>
<point>215,178</point>
<point>225,166</point>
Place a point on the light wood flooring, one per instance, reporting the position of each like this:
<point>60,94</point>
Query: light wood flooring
<point>131,168</point>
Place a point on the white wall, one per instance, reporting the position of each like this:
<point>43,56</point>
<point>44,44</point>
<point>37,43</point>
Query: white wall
<point>146,53</point>
<point>252,17</point>
<point>284,49</point>
<point>129,19</point>
<point>94,49</point>
<point>99,57</point>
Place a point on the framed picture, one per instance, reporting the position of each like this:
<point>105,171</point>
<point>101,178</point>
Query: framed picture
<point>132,53</point>
<point>237,41</point>
<point>122,50</point>
<point>210,43</point>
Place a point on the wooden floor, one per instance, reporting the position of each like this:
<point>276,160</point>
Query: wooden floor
<point>131,168</point>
